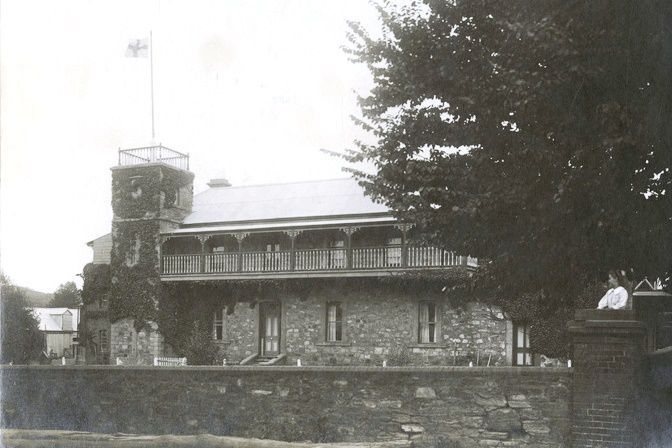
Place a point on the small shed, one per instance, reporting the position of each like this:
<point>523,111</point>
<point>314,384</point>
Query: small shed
<point>59,326</point>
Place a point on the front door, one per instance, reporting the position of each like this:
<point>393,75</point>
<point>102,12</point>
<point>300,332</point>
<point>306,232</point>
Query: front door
<point>269,329</point>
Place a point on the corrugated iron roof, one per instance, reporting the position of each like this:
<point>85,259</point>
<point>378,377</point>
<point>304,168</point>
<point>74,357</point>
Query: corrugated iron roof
<point>312,199</point>
<point>47,318</point>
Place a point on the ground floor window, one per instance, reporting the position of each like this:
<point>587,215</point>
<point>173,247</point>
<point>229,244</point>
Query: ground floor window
<point>522,355</point>
<point>218,325</point>
<point>102,339</point>
<point>427,328</point>
<point>334,322</point>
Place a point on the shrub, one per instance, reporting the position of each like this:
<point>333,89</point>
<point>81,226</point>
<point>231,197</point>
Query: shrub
<point>200,349</point>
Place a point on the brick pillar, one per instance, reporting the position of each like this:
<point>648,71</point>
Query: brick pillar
<point>608,358</point>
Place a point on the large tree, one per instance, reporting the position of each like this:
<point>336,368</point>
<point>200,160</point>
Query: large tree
<point>20,337</point>
<point>67,296</point>
<point>534,135</point>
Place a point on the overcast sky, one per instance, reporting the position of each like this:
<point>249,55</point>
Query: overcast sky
<point>250,89</point>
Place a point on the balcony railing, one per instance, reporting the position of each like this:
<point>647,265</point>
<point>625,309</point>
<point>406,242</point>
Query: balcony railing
<point>396,257</point>
<point>154,154</point>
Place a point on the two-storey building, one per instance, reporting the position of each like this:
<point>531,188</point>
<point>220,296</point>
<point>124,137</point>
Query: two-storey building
<point>363,289</point>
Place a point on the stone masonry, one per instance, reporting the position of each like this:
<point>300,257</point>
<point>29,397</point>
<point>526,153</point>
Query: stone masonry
<point>135,347</point>
<point>457,407</point>
<point>376,327</point>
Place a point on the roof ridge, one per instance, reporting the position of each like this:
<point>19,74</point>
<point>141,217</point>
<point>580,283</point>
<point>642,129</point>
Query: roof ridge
<point>283,183</point>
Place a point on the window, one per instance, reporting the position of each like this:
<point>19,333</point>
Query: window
<point>273,257</point>
<point>178,197</point>
<point>218,325</point>
<point>522,356</point>
<point>102,340</point>
<point>337,254</point>
<point>133,254</point>
<point>427,328</point>
<point>334,322</point>
<point>394,252</point>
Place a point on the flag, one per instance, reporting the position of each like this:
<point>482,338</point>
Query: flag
<point>137,48</point>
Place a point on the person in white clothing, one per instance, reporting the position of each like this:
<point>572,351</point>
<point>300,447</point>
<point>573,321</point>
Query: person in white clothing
<point>617,297</point>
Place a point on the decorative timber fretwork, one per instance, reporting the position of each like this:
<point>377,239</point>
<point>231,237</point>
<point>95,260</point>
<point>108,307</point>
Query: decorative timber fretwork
<point>403,227</point>
<point>292,233</point>
<point>349,230</point>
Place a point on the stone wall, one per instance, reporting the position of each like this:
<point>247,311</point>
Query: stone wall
<point>134,347</point>
<point>95,323</point>
<point>435,406</point>
<point>377,326</point>
<point>240,334</point>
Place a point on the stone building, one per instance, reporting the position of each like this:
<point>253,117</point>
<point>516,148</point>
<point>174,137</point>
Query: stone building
<point>311,271</point>
<point>95,339</point>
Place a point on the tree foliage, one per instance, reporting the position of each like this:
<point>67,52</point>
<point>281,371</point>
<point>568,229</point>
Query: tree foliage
<point>66,296</point>
<point>533,135</point>
<point>20,338</point>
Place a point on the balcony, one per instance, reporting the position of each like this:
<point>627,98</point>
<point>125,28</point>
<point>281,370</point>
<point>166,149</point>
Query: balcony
<point>291,255</point>
<point>153,154</point>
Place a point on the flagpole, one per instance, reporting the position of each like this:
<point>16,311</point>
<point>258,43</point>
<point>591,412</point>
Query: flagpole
<point>151,77</point>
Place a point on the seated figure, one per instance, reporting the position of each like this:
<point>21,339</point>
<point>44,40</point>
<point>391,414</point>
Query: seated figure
<point>617,297</point>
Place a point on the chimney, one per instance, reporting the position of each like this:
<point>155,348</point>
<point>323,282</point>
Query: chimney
<point>221,182</point>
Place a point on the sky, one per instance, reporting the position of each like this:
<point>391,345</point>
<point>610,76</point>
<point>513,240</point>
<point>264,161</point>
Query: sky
<point>251,90</point>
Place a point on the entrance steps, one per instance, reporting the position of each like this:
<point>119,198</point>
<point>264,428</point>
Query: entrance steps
<point>264,360</point>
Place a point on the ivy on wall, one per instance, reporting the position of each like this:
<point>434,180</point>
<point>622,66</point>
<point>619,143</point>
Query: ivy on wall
<point>137,192</point>
<point>135,282</point>
<point>97,282</point>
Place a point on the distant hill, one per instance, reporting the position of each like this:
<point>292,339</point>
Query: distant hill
<point>37,298</point>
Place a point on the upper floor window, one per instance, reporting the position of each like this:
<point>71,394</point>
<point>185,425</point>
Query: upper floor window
<point>427,324</point>
<point>338,257</point>
<point>334,322</point>
<point>218,325</point>
<point>394,252</point>
<point>133,254</point>
<point>522,355</point>
<point>178,197</point>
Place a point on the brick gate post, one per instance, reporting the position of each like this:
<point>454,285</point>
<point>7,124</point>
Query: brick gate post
<point>608,357</point>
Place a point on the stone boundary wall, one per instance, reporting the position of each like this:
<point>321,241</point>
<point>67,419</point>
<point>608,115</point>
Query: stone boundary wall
<point>434,406</point>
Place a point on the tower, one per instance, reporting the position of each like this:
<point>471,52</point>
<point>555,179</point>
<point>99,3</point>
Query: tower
<point>152,192</point>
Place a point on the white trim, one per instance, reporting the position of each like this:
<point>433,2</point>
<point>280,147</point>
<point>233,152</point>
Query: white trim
<point>280,225</point>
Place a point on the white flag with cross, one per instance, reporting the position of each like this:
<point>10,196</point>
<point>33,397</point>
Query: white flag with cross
<point>142,48</point>
<point>137,48</point>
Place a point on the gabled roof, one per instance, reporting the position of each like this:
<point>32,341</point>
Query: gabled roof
<point>46,318</point>
<point>100,238</point>
<point>287,201</point>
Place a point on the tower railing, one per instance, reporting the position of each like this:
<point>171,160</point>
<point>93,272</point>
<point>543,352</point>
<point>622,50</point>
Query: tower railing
<point>154,154</point>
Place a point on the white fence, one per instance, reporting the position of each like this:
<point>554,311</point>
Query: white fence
<point>169,362</point>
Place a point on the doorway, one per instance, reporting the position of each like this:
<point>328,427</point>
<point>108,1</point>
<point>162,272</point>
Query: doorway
<point>269,329</point>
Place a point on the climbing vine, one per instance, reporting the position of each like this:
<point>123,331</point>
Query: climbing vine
<point>135,282</point>
<point>141,192</point>
<point>138,195</point>
<point>97,283</point>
